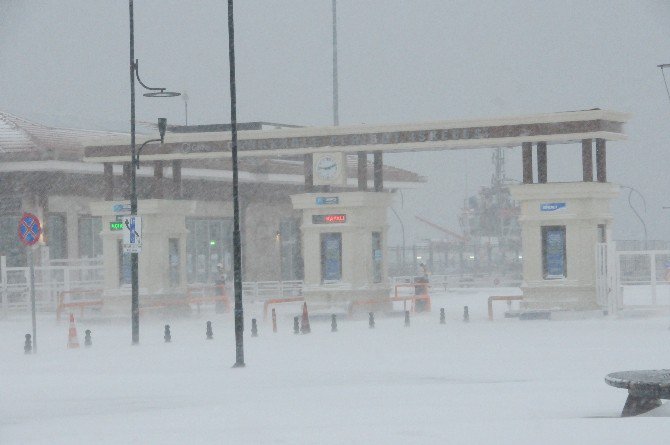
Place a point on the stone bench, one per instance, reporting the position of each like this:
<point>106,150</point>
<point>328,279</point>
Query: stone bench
<point>645,389</point>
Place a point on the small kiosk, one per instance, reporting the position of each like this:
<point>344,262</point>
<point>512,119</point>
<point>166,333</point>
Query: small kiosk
<point>344,246</point>
<point>562,225</point>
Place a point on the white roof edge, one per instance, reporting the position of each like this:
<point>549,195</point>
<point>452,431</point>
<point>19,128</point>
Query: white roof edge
<point>456,144</point>
<point>566,116</point>
<point>196,173</point>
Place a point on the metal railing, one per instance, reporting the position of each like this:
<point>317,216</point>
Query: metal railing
<point>59,275</point>
<point>644,277</point>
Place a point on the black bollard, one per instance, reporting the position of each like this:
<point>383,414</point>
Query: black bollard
<point>167,336</point>
<point>333,323</point>
<point>406,319</point>
<point>87,338</point>
<point>254,328</point>
<point>296,325</point>
<point>466,314</point>
<point>371,320</point>
<point>443,320</point>
<point>28,346</point>
<point>209,333</point>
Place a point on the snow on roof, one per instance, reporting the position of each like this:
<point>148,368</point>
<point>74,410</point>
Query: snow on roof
<point>18,135</point>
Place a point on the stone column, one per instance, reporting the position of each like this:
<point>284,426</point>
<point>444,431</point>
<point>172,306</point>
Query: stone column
<point>601,160</point>
<point>378,171</point>
<point>527,161</point>
<point>587,160</point>
<point>309,173</point>
<point>362,171</point>
<point>176,179</point>
<point>542,162</point>
<point>157,188</point>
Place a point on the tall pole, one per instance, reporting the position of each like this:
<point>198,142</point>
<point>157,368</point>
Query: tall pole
<point>237,245</point>
<point>134,305</point>
<point>31,264</point>
<point>336,111</point>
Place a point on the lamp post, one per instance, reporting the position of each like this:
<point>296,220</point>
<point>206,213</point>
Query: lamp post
<point>134,164</point>
<point>237,244</point>
<point>639,217</point>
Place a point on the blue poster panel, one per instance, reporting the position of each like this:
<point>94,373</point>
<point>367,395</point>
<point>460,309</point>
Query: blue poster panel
<point>331,256</point>
<point>553,252</point>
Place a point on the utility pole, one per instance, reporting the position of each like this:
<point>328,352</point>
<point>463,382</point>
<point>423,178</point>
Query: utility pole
<point>336,111</point>
<point>237,243</point>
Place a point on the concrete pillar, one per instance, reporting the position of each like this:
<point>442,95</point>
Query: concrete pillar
<point>176,179</point>
<point>362,171</point>
<point>378,171</point>
<point>309,173</point>
<point>601,160</point>
<point>542,162</point>
<point>587,160</point>
<point>157,186</point>
<point>109,181</point>
<point>527,161</point>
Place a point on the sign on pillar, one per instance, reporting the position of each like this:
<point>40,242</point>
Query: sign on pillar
<point>132,234</point>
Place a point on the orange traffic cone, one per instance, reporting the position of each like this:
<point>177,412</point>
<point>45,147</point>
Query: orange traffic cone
<point>304,325</point>
<point>72,339</point>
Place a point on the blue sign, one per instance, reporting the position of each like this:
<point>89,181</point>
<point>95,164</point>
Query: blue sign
<point>552,206</point>
<point>29,229</point>
<point>121,208</point>
<point>327,200</point>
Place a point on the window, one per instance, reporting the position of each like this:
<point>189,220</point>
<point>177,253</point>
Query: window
<point>125,271</point>
<point>10,246</point>
<point>290,245</point>
<point>376,257</point>
<point>174,262</point>
<point>209,242</point>
<point>331,257</point>
<point>90,241</point>
<point>554,261</point>
<point>56,230</point>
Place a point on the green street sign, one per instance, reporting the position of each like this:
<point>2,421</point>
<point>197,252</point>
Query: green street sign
<point>116,225</point>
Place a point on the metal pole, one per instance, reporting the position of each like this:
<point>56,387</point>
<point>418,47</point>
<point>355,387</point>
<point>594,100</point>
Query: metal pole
<point>237,245</point>
<point>31,265</point>
<point>134,305</point>
<point>336,111</point>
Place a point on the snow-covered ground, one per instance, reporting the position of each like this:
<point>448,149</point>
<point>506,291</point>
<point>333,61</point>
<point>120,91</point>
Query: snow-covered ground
<point>502,382</point>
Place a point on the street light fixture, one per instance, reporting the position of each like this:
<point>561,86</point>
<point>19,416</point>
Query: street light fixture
<point>134,164</point>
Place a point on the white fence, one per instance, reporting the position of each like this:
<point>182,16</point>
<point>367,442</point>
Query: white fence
<point>644,278</point>
<point>59,275</point>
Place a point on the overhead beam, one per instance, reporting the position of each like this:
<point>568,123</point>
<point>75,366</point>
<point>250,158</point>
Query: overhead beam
<point>559,128</point>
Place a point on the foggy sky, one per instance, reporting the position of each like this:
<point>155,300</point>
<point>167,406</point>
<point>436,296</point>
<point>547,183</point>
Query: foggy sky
<point>66,63</point>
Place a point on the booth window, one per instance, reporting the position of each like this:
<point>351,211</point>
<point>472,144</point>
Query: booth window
<point>90,241</point>
<point>10,246</point>
<point>291,265</point>
<point>554,260</point>
<point>174,262</point>
<point>125,271</point>
<point>331,257</point>
<point>209,243</point>
<point>376,257</point>
<point>56,230</point>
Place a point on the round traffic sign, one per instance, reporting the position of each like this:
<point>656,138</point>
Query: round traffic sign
<point>29,229</point>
